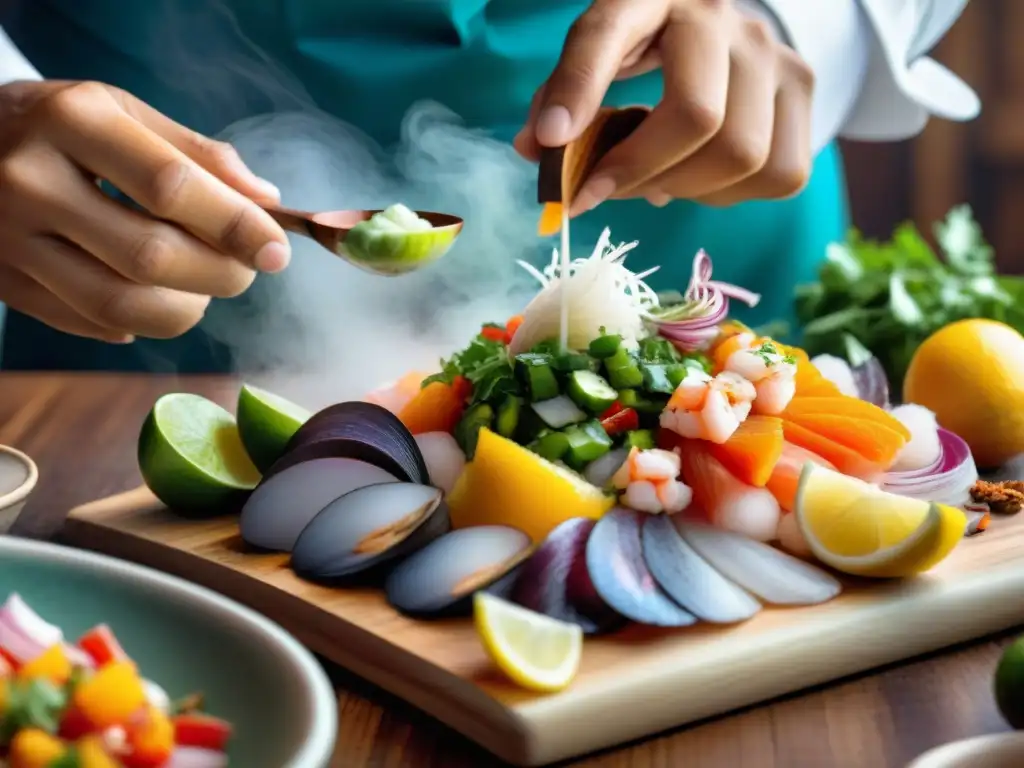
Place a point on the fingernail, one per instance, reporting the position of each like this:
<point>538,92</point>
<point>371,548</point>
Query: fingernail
<point>594,192</point>
<point>259,185</point>
<point>272,257</point>
<point>125,339</point>
<point>659,199</point>
<point>554,125</point>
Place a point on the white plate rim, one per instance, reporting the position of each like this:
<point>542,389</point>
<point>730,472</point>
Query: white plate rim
<point>318,747</point>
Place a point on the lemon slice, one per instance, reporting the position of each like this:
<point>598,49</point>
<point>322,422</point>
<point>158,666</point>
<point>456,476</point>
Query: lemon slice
<point>857,528</point>
<point>537,652</point>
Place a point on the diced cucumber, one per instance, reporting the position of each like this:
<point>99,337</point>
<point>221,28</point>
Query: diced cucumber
<point>587,441</point>
<point>507,421</point>
<point>590,391</point>
<point>630,398</point>
<point>605,346</point>
<point>656,378</point>
<point>537,375</point>
<point>468,429</point>
<point>639,438</point>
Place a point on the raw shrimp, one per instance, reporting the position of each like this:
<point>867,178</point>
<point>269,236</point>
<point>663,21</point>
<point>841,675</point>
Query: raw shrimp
<point>650,482</point>
<point>772,373</point>
<point>709,408</point>
<point>728,502</point>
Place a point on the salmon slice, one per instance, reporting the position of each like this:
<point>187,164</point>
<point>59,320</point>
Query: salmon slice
<point>786,473</point>
<point>875,442</point>
<point>844,405</point>
<point>845,460</point>
<point>752,450</point>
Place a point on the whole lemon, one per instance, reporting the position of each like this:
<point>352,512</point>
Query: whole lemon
<point>971,374</point>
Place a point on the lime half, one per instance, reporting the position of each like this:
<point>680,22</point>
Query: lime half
<point>1009,684</point>
<point>192,458</point>
<point>266,422</point>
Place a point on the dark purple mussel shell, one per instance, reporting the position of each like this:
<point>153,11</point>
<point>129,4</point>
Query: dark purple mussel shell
<point>619,573</point>
<point>283,505</point>
<point>689,579</point>
<point>356,430</point>
<point>440,579</point>
<point>555,581</point>
<point>368,529</point>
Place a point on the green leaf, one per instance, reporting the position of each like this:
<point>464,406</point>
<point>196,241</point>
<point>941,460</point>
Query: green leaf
<point>837,321</point>
<point>904,308</point>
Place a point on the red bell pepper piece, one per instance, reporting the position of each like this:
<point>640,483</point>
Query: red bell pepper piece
<point>493,333</point>
<point>623,421</point>
<point>203,731</point>
<point>512,326</point>
<point>74,725</point>
<point>101,645</point>
<point>462,387</point>
<point>614,408</point>
<point>9,659</point>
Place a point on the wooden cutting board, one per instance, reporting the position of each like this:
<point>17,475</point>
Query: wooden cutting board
<point>632,684</point>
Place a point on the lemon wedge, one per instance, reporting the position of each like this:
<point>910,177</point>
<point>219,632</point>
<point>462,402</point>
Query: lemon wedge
<point>535,651</point>
<point>857,528</point>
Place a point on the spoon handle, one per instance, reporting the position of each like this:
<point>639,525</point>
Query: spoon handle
<point>295,221</point>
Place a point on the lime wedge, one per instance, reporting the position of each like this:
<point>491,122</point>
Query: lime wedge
<point>192,458</point>
<point>1009,684</point>
<point>266,422</point>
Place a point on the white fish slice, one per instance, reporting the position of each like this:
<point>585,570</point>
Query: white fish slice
<point>769,573</point>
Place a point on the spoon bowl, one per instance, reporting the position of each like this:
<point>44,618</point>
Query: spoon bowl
<point>382,253</point>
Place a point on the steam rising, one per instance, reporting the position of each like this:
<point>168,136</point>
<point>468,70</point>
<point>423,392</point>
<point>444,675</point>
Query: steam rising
<point>355,330</point>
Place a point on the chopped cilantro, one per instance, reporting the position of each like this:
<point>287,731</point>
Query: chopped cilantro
<point>485,363</point>
<point>36,703</point>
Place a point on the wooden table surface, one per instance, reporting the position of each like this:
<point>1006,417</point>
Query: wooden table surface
<point>82,429</point>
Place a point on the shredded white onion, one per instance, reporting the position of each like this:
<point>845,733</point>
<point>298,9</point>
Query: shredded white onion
<point>600,292</point>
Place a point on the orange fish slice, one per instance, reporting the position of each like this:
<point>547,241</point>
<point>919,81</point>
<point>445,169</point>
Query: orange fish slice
<point>875,442</point>
<point>786,474</point>
<point>752,450</point>
<point>563,170</point>
<point>844,405</point>
<point>845,460</point>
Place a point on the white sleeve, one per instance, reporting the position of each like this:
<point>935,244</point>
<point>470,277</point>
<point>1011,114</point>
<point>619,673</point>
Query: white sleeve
<point>13,64</point>
<point>872,80</point>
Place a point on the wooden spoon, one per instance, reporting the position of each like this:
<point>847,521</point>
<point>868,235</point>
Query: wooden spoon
<point>384,253</point>
<point>563,170</point>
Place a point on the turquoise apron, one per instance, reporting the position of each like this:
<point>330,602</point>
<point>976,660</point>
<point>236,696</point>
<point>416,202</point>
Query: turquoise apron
<point>367,61</point>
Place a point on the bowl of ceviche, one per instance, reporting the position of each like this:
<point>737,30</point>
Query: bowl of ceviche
<point>105,664</point>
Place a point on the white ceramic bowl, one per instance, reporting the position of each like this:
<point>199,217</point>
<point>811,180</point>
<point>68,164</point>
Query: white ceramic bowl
<point>18,477</point>
<point>1000,750</point>
<point>188,639</point>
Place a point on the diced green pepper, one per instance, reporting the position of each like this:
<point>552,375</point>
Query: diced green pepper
<point>605,346</point>
<point>587,441</point>
<point>630,398</point>
<point>550,445</point>
<point>623,372</point>
<point>468,429</point>
<point>507,421</point>
<point>676,372</point>
<point>590,392</point>
<point>537,375</point>
<point>639,438</point>
<point>576,361</point>
<point>69,759</point>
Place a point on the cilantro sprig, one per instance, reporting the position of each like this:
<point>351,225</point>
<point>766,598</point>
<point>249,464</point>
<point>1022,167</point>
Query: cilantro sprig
<point>888,297</point>
<point>485,363</point>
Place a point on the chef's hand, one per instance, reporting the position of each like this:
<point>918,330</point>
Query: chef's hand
<point>80,262</point>
<point>734,121</point>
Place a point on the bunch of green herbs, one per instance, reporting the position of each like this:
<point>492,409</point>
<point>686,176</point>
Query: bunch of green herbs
<point>887,297</point>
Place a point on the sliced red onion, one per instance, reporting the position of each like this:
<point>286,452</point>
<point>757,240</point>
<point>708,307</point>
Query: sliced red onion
<point>559,412</point>
<point>693,324</point>
<point>946,481</point>
<point>23,633</point>
<point>600,471</point>
<point>194,757</point>
<point>872,382</point>
<point>78,657</point>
